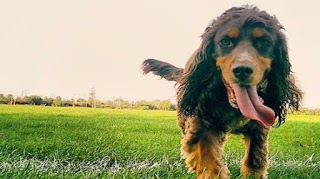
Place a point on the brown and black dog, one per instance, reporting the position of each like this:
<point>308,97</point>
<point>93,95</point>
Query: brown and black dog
<point>238,81</point>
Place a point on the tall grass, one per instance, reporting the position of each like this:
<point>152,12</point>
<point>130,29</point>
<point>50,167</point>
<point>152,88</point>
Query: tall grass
<point>48,142</point>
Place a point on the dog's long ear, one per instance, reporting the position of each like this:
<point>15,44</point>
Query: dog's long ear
<point>200,76</point>
<point>282,92</point>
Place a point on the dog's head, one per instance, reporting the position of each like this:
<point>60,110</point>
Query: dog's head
<point>243,52</point>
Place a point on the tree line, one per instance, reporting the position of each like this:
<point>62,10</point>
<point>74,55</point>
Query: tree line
<point>91,102</point>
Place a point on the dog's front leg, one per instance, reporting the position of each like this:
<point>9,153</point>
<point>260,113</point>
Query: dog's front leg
<point>203,152</point>
<point>255,161</point>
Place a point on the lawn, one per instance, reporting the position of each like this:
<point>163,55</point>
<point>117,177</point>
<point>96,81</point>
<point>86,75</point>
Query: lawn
<point>49,142</point>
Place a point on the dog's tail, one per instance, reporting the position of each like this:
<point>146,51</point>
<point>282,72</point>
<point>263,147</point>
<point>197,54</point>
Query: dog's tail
<point>162,69</point>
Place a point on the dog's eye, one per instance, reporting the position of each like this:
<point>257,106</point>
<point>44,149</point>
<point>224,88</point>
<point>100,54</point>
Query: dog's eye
<point>226,42</point>
<point>264,42</point>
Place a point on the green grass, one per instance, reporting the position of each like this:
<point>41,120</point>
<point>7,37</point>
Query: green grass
<point>48,142</point>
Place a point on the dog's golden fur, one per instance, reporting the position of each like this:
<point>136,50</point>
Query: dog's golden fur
<point>242,37</point>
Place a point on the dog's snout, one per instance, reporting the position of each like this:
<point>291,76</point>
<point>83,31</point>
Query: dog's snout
<point>242,72</point>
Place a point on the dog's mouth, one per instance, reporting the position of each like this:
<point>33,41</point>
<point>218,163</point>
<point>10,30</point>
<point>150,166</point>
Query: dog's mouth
<point>250,104</point>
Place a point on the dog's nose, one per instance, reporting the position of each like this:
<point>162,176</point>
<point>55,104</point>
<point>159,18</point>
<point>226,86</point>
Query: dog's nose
<point>242,72</point>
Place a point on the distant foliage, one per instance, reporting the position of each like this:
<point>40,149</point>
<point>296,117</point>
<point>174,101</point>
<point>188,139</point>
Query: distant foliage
<point>6,99</point>
<point>92,102</point>
<point>117,103</point>
<point>308,111</point>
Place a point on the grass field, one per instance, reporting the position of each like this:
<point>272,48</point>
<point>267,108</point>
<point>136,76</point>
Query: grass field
<point>48,142</point>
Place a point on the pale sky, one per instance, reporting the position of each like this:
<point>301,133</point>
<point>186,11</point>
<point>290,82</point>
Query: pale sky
<point>66,47</point>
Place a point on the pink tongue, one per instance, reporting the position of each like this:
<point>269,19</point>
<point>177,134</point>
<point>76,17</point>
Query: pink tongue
<point>251,107</point>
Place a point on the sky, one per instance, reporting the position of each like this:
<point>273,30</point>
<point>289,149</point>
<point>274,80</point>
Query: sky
<point>66,47</point>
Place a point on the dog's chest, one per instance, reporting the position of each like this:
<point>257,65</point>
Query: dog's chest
<point>233,119</point>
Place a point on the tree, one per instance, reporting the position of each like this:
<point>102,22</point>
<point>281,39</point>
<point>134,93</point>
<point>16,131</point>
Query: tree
<point>3,99</point>
<point>35,100</point>
<point>81,102</point>
<point>47,101</point>
<point>109,104</point>
<point>173,107</point>
<point>143,104</point>
<point>165,104</point>
<point>11,99</point>
<point>68,102</point>
<point>57,101</point>
<point>155,104</point>
<point>99,104</point>
<point>27,99</point>
<point>21,100</point>
<point>120,103</point>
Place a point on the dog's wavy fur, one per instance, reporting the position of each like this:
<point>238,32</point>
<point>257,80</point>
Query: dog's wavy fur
<point>204,113</point>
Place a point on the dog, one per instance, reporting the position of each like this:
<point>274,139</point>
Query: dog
<point>238,81</point>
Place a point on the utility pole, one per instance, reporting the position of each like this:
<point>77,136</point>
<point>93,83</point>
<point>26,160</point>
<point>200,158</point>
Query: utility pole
<point>24,93</point>
<point>92,97</point>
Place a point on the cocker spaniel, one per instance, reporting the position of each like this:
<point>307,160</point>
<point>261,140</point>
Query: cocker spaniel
<point>238,81</point>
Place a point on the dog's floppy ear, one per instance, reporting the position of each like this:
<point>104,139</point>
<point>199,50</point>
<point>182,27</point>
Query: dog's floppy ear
<point>200,75</point>
<point>282,93</point>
